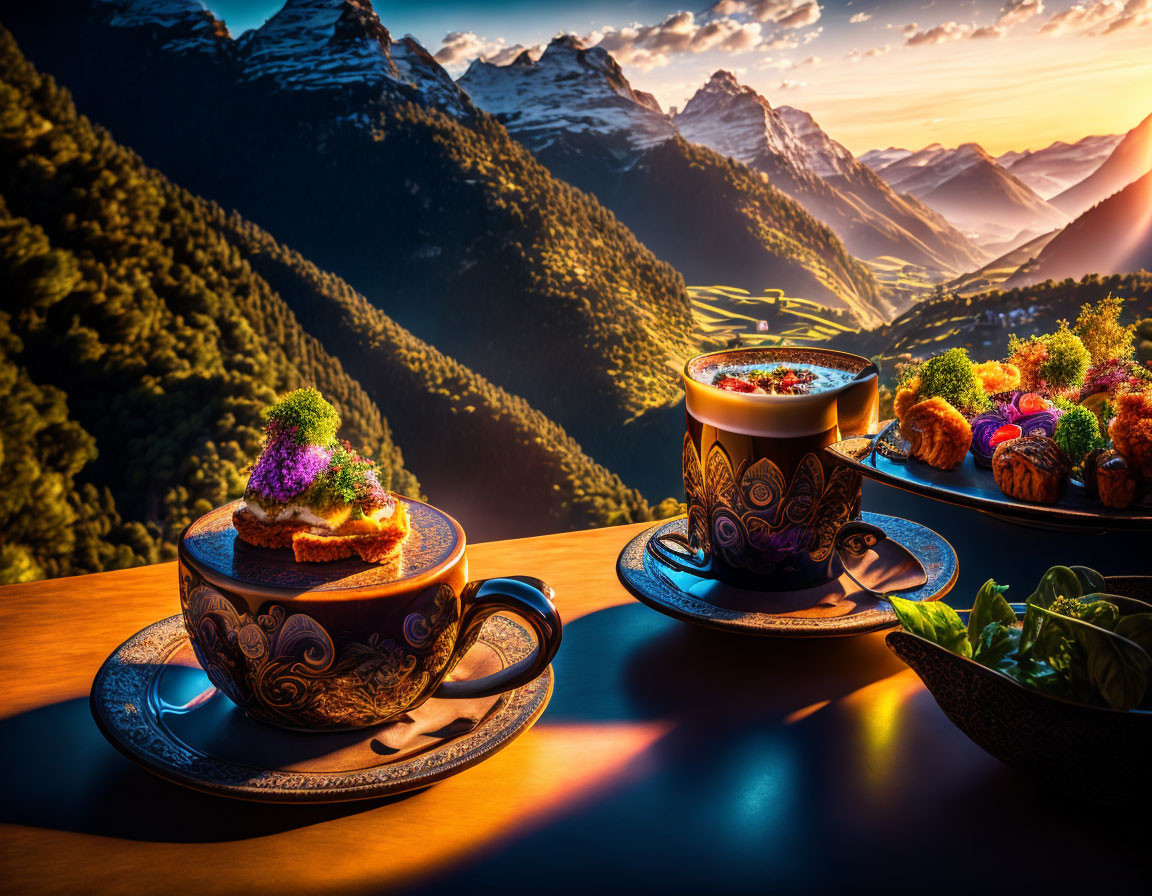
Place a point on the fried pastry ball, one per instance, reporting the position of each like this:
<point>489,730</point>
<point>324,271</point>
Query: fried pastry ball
<point>906,396</point>
<point>938,433</point>
<point>1032,468</point>
<point>1131,431</point>
<point>997,376</point>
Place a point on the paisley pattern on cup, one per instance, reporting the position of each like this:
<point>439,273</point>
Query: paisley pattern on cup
<point>285,668</point>
<point>750,517</point>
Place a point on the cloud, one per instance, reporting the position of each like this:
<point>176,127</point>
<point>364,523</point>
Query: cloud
<point>1017,12</point>
<point>1082,16</point>
<point>649,46</point>
<point>460,47</point>
<point>508,54</point>
<point>782,42</point>
<point>792,85</point>
<point>941,34</point>
<point>1135,14</point>
<point>785,13</point>
<point>859,17</point>
<point>811,60</point>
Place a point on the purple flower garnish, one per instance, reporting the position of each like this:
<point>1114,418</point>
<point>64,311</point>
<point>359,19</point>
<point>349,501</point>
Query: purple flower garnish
<point>286,469</point>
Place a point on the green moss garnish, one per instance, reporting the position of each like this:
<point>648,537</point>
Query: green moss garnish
<point>313,420</point>
<point>347,479</point>
<point>950,376</point>
<point>1077,432</point>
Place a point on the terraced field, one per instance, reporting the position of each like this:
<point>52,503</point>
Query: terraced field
<point>728,316</point>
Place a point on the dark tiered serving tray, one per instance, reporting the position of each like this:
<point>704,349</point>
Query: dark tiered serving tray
<point>882,459</point>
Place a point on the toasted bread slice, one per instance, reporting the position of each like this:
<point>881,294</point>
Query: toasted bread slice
<point>374,547</point>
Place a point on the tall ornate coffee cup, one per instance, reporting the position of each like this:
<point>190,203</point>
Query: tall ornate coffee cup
<point>767,509</point>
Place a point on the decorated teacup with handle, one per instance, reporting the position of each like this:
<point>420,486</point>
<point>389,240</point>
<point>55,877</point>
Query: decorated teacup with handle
<point>348,644</point>
<point>767,508</point>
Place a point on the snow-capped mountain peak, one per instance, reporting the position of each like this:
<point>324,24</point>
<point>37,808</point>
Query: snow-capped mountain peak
<point>337,47</point>
<point>183,26</point>
<point>319,45</point>
<point>570,90</point>
<point>736,121</point>
<point>825,156</point>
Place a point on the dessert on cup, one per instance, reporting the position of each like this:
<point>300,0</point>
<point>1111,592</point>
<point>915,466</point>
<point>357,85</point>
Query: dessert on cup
<point>313,493</point>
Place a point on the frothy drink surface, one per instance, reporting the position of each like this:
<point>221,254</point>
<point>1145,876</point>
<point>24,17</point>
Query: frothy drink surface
<point>776,378</point>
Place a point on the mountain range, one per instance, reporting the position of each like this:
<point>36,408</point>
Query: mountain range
<point>142,329</point>
<point>488,275</point>
<point>789,147</point>
<point>971,189</point>
<point>579,115</point>
<point>1060,165</point>
<point>423,204</point>
<point>1129,160</point>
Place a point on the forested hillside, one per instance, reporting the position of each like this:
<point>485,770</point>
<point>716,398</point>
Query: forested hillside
<point>448,225</point>
<point>139,344</point>
<point>725,212</point>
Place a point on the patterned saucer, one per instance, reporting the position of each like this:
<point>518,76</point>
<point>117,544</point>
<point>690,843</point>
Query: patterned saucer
<point>840,608</point>
<point>155,704</point>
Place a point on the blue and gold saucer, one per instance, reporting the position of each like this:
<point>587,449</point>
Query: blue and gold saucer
<point>913,562</point>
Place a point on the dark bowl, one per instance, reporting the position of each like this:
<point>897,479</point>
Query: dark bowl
<point>1092,752</point>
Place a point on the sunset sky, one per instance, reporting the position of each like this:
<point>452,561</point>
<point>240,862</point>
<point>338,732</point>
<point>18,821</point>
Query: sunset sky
<point>1008,75</point>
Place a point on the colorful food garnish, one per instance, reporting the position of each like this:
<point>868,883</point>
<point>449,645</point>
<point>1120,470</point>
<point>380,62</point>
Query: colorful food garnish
<point>1055,362</point>
<point>1074,641</point>
<point>1131,431</point>
<point>794,379</point>
<point>951,376</point>
<point>997,376</point>
<point>1032,468</point>
<point>1099,328</point>
<point>1006,433</point>
<point>1078,389</point>
<point>1077,433</point>
<point>1040,420</point>
<point>937,433</point>
<point>315,494</point>
<point>1031,403</point>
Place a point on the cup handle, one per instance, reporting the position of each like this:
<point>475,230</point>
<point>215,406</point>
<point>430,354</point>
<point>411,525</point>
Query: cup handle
<point>689,559</point>
<point>528,598</point>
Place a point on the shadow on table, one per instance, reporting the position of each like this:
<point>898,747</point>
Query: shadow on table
<point>758,786</point>
<point>629,663</point>
<point>59,772</point>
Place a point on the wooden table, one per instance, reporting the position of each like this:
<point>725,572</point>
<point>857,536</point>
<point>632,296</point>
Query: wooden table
<point>670,758</point>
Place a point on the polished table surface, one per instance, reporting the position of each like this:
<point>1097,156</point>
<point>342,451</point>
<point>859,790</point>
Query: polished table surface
<point>670,758</point>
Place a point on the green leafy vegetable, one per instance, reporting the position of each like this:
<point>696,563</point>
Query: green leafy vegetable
<point>935,621</point>
<point>989,606</point>
<point>1059,581</point>
<point>997,645</point>
<point>1137,628</point>
<point>1093,649</point>
<point>1117,668</point>
<point>1091,582</point>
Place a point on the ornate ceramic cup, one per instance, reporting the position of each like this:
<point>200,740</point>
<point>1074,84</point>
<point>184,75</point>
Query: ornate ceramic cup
<point>767,508</point>
<point>348,644</point>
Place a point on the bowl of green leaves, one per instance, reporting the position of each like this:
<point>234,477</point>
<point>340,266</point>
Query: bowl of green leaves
<point>1060,685</point>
